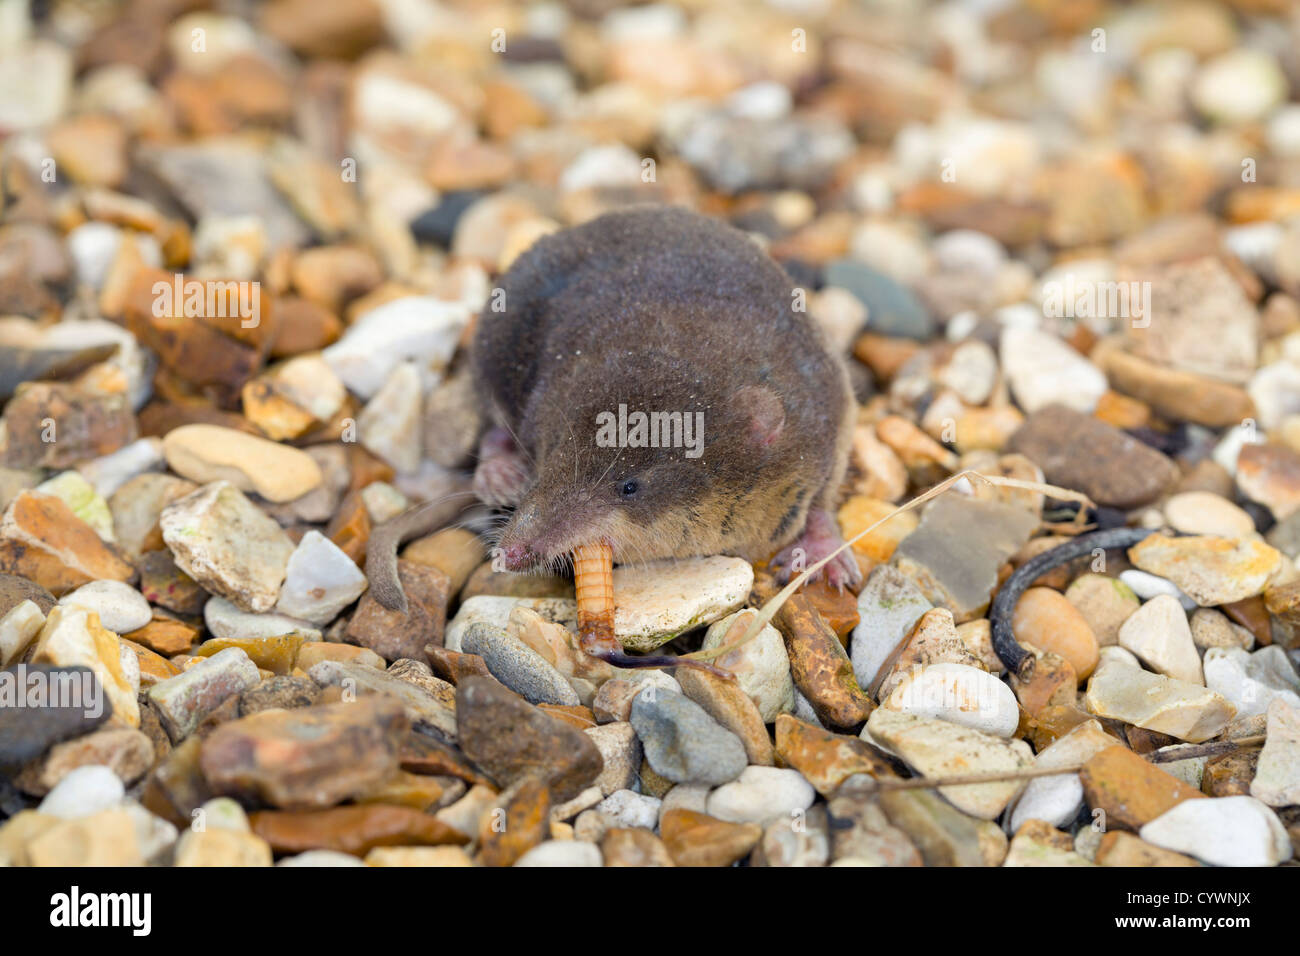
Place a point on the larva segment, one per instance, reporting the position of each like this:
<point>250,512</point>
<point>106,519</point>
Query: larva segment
<point>593,582</point>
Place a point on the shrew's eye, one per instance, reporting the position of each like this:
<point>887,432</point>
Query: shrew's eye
<point>629,488</point>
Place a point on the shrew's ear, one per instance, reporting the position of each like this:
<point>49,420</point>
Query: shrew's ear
<point>765,412</point>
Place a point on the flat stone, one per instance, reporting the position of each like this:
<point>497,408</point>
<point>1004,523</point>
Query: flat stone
<point>1228,831</point>
<point>72,637</point>
<point>683,743</point>
<point>892,308</point>
<point>1129,790</point>
<point>659,600</point>
<point>1270,474</point>
<point>622,846</point>
<point>137,505</point>
<point>938,748</point>
<point>88,424</point>
<point>80,496</point>
<point>933,640</point>
<point>183,701</point>
<point>960,694</point>
<point>309,758</point>
<point>825,759</point>
<point>1044,371</point>
<point>804,841</point>
<point>390,425</point>
<point>276,653</point>
<point>83,792</point>
<point>127,752</point>
<point>209,453</point>
<point>1251,681</point>
<point>1277,777</point>
<point>520,821</point>
<point>496,610</point>
<point>1208,569</point>
<point>1158,633</point>
<point>1211,628</point>
<point>430,704</point>
<point>517,666</point>
<point>1205,513</point>
<point>1118,848</point>
<point>1078,451</point>
<point>954,555</point>
<point>761,667</point>
<point>395,635</point>
<point>1147,586</point>
<point>42,540</point>
<point>511,739</point>
<point>312,653</point>
<point>1104,602</point>
<point>626,808</point>
<point>319,581</point>
<point>419,329</point>
<point>354,830</point>
<point>562,853</point>
<point>228,545</point>
<point>120,607</point>
<point>890,605</point>
<point>942,834</point>
<point>279,693</point>
<point>18,628</point>
<point>1186,711</point>
<point>226,620</point>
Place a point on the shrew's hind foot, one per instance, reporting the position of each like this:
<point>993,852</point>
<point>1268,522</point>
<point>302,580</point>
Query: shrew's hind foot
<point>820,538</point>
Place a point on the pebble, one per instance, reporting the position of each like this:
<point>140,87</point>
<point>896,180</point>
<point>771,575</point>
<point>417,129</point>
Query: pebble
<point>390,425</point>
<point>683,743</point>
<point>939,748</point>
<point>1269,473</point>
<point>418,329</point>
<point>892,308</point>
<point>954,555</point>
<point>1208,569</point>
<point>960,694</point>
<point>226,621</point>
<point>1205,513</point>
<point>228,545</point>
<point>1251,681</point>
<point>761,667</point>
<point>1044,619</point>
<point>662,599</point>
<point>697,839</point>
<point>1128,790</point>
<point>762,795</point>
<point>184,700</point>
<point>395,635</point>
<point>1239,86</point>
<point>621,755</point>
<point>110,472</point>
<point>889,606</point>
<point>625,808</point>
<point>1147,586</point>
<point>1105,603</point>
<point>1056,799</point>
<point>18,628</point>
<point>1211,628</point>
<point>517,666</point>
<point>1044,371</point>
<point>430,703</point>
<point>73,637</point>
<point>1187,711</point>
<point>319,581</point>
<point>1228,831</point>
<point>1077,451</point>
<point>42,540</point>
<point>211,453</point>
<point>27,732</point>
<point>121,608</point>
<point>730,706</point>
<point>1158,633</point>
<point>83,792</point>
<point>82,499</point>
<point>1277,776</point>
<point>560,853</point>
<point>127,752</point>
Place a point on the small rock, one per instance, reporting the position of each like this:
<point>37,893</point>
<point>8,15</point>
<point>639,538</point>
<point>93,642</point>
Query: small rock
<point>1147,586</point>
<point>319,581</point>
<point>561,853</point>
<point>73,637</point>
<point>1210,570</point>
<point>761,667</point>
<point>1078,451</point>
<point>42,540</point>
<point>889,605</point>
<point>659,600</point>
<point>1186,711</point>
<point>183,701</point>
<point>210,453</point>
<point>620,751</point>
<point>106,838</point>
<point>517,666</point>
<point>1105,603</point>
<point>625,808</point>
<point>83,792</point>
<point>1129,790</point>
<point>352,829</point>
<point>125,751</point>
<point>960,694</point>
<point>1044,619</point>
<point>696,839</point>
<point>683,743</point>
<point>394,635</point>
<point>1056,799</point>
<point>121,608</point>
<point>430,703</point>
<point>762,795</point>
<point>632,847</point>
<point>1044,371</point>
<point>1158,633</point>
<point>1228,831</point>
<point>861,834</point>
<point>1250,682</point>
<point>226,621</point>
<point>1205,513</point>
<point>221,847</point>
<point>228,545</point>
<point>939,748</point>
<point>1211,628</point>
<point>730,706</point>
<point>418,329</point>
<point>1277,777</point>
<point>825,759</point>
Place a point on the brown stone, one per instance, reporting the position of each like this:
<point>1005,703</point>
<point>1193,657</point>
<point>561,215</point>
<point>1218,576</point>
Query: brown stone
<point>164,584</point>
<point>575,715</point>
<point>420,753</point>
<point>1118,848</point>
<point>634,847</point>
<point>56,425</point>
<point>177,787</point>
<point>42,540</point>
<point>128,752</point>
<point>697,839</point>
<point>1173,393</point>
<point>1053,683</point>
<point>725,702</point>
<point>1270,474</point>
<point>1044,619</point>
<point>330,29</point>
<point>511,739</point>
<point>820,666</point>
<point>165,635</point>
<point>352,830</point>
<point>394,635</point>
<point>838,608</point>
<point>350,527</point>
<point>524,822</point>
<point>1230,775</point>
<point>453,666</point>
<point>1078,451</point>
<point>304,327</point>
<point>331,276</point>
<point>1131,791</point>
<point>825,759</point>
<point>1252,614</point>
<point>153,667</point>
<point>453,551</point>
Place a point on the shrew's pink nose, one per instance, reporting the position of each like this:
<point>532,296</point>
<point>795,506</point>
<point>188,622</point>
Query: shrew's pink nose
<point>516,557</point>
